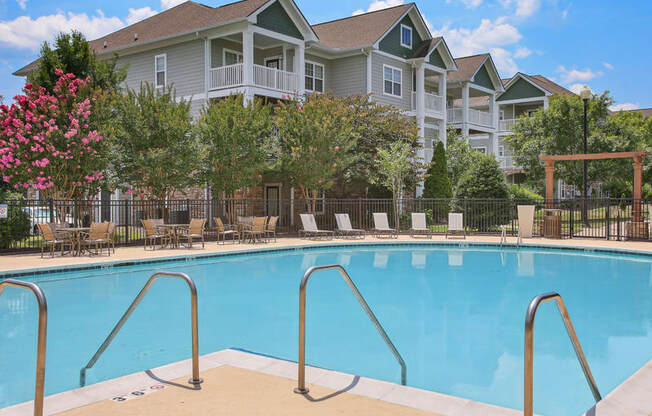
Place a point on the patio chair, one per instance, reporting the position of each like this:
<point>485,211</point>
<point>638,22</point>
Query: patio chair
<point>194,231</point>
<point>97,236</point>
<point>224,230</point>
<point>310,227</point>
<point>152,234</point>
<point>381,226</point>
<point>344,227</point>
<point>270,230</point>
<point>257,230</point>
<point>49,238</point>
<point>419,226</point>
<point>456,223</point>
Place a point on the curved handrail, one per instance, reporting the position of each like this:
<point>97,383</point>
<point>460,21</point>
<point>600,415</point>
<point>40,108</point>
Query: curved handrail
<point>195,332</point>
<point>41,340</point>
<point>301,385</point>
<point>528,386</point>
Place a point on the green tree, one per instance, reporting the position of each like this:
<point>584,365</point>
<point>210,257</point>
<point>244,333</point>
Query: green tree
<point>460,157</point>
<point>437,183</point>
<point>156,150</point>
<point>316,138</point>
<point>483,180</point>
<point>71,53</point>
<point>16,226</point>
<point>395,163</point>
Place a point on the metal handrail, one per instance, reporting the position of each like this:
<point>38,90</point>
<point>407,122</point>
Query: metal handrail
<point>195,332</point>
<point>528,386</point>
<point>39,386</point>
<point>301,386</point>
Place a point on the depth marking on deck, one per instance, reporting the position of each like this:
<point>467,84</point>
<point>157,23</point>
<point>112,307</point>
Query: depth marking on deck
<point>139,393</point>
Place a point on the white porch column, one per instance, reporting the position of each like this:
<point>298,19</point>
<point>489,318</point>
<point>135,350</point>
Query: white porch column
<point>493,110</point>
<point>248,64</point>
<point>465,111</point>
<point>207,67</point>
<point>300,67</point>
<point>421,116</point>
<point>546,103</point>
<point>443,124</point>
<point>285,57</point>
<point>369,75</point>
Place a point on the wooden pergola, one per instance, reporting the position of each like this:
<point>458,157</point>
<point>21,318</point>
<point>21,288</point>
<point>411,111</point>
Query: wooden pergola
<point>638,156</point>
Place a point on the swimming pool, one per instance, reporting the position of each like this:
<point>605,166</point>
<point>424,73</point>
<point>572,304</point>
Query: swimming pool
<point>456,315</point>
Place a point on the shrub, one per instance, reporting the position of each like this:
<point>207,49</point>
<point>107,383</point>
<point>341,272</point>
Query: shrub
<point>438,184</point>
<point>16,226</point>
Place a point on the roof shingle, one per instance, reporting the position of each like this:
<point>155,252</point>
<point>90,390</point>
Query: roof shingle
<point>467,66</point>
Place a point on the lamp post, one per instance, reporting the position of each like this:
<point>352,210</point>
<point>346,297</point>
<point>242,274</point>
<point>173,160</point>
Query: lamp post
<point>586,96</point>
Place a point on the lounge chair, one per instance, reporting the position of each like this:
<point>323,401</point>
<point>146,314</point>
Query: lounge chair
<point>419,226</point>
<point>256,231</point>
<point>456,223</point>
<point>270,229</point>
<point>49,238</point>
<point>344,227</point>
<point>194,231</point>
<point>310,227</point>
<point>152,234</point>
<point>224,230</point>
<point>97,237</point>
<point>381,226</point>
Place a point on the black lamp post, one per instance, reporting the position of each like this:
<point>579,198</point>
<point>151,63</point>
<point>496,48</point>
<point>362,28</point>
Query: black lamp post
<point>586,96</point>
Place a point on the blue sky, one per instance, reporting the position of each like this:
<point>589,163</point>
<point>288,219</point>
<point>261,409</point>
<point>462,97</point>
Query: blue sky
<point>601,43</point>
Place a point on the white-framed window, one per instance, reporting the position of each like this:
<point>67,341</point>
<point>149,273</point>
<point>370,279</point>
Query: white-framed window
<point>531,113</point>
<point>502,115</point>
<point>481,149</point>
<point>314,77</point>
<point>160,70</point>
<point>275,62</point>
<point>231,57</point>
<point>406,36</point>
<point>392,81</point>
<point>501,151</point>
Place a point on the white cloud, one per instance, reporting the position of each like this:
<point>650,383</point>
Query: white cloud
<point>522,52</point>
<point>608,65</point>
<point>22,4</point>
<point>504,61</point>
<point>577,88</point>
<point>569,76</point>
<point>625,107</point>
<point>470,4</point>
<point>25,32</point>
<point>375,5</point>
<point>168,4</point>
<point>524,8</point>
<point>136,15</point>
<point>564,13</point>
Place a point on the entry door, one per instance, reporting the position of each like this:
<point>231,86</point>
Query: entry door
<point>273,200</point>
<point>273,63</point>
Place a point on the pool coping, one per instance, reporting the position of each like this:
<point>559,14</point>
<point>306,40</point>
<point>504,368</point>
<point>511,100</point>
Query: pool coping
<point>313,246</point>
<point>122,387</point>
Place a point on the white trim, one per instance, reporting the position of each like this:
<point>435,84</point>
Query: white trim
<point>165,70</point>
<point>294,13</point>
<point>451,66</point>
<point>224,52</point>
<point>433,68</point>
<point>480,88</point>
<point>526,78</point>
<point>389,55</point>
<point>405,45</point>
<point>521,100</point>
<point>281,62</point>
<point>323,76</point>
<point>276,35</point>
<point>393,82</point>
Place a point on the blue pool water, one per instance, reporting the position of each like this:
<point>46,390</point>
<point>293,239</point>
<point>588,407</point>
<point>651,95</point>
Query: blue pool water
<point>455,314</point>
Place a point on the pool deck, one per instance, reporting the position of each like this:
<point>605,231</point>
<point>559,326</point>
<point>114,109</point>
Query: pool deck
<point>241,383</point>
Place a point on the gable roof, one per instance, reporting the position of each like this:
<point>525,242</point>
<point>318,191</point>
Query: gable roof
<point>546,85</point>
<point>361,30</point>
<point>468,67</point>
<point>426,46</point>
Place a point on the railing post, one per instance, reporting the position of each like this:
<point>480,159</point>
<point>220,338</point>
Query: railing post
<point>127,220</point>
<point>51,203</point>
<point>608,219</point>
<point>572,218</point>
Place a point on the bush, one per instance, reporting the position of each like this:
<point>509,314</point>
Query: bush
<point>16,226</point>
<point>484,180</point>
<point>438,184</point>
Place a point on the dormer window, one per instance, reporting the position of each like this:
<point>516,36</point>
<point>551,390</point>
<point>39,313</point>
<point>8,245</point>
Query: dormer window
<point>406,36</point>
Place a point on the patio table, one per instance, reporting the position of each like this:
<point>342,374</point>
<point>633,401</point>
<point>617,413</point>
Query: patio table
<point>76,233</point>
<point>174,230</point>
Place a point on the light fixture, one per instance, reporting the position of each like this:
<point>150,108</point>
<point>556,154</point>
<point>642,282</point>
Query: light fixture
<point>586,93</point>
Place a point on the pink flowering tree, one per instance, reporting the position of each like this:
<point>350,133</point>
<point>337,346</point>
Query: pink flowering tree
<point>47,141</point>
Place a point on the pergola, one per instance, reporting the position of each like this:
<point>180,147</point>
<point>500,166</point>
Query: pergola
<point>638,174</point>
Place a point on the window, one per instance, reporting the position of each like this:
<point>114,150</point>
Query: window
<point>481,149</point>
<point>231,57</point>
<point>392,80</point>
<point>531,113</point>
<point>406,36</point>
<point>314,77</point>
<point>160,70</point>
<point>502,115</point>
<point>501,151</point>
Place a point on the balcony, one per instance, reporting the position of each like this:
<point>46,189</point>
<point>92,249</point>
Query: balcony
<point>231,76</point>
<point>434,103</point>
<point>477,117</point>
<point>507,125</point>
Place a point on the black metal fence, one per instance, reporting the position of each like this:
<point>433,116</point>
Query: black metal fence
<point>613,219</point>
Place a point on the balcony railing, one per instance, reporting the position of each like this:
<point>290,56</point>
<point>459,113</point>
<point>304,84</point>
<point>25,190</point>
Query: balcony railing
<point>481,118</point>
<point>506,125</point>
<point>434,102</point>
<point>232,76</point>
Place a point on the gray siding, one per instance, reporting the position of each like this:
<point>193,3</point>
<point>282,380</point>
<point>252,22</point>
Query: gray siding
<point>348,76</point>
<point>328,69</point>
<point>185,67</point>
<point>405,101</point>
<point>217,48</point>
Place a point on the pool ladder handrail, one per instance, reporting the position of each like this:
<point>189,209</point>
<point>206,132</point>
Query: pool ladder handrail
<point>528,385</point>
<point>195,380</point>
<point>39,385</point>
<point>503,236</point>
<point>301,385</point>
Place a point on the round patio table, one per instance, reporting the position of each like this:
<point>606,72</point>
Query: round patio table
<point>76,233</point>
<point>174,230</point>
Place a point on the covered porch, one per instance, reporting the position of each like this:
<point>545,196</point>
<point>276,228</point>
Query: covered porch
<point>472,108</point>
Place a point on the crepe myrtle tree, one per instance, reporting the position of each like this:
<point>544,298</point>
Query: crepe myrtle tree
<point>316,136</point>
<point>46,142</point>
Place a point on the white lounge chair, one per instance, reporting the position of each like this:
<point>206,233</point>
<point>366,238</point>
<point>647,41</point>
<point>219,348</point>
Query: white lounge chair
<point>456,223</point>
<point>419,225</point>
<point>381,226</point>
<point>344,227</point>
<point>310,227</point>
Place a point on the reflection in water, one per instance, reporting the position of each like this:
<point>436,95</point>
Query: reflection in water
<point>525,263</point>
<point>309,260</point>
<point>344,259</point>
<point>455,258</point>
<point>380,259</point>
<point>419,259</point>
